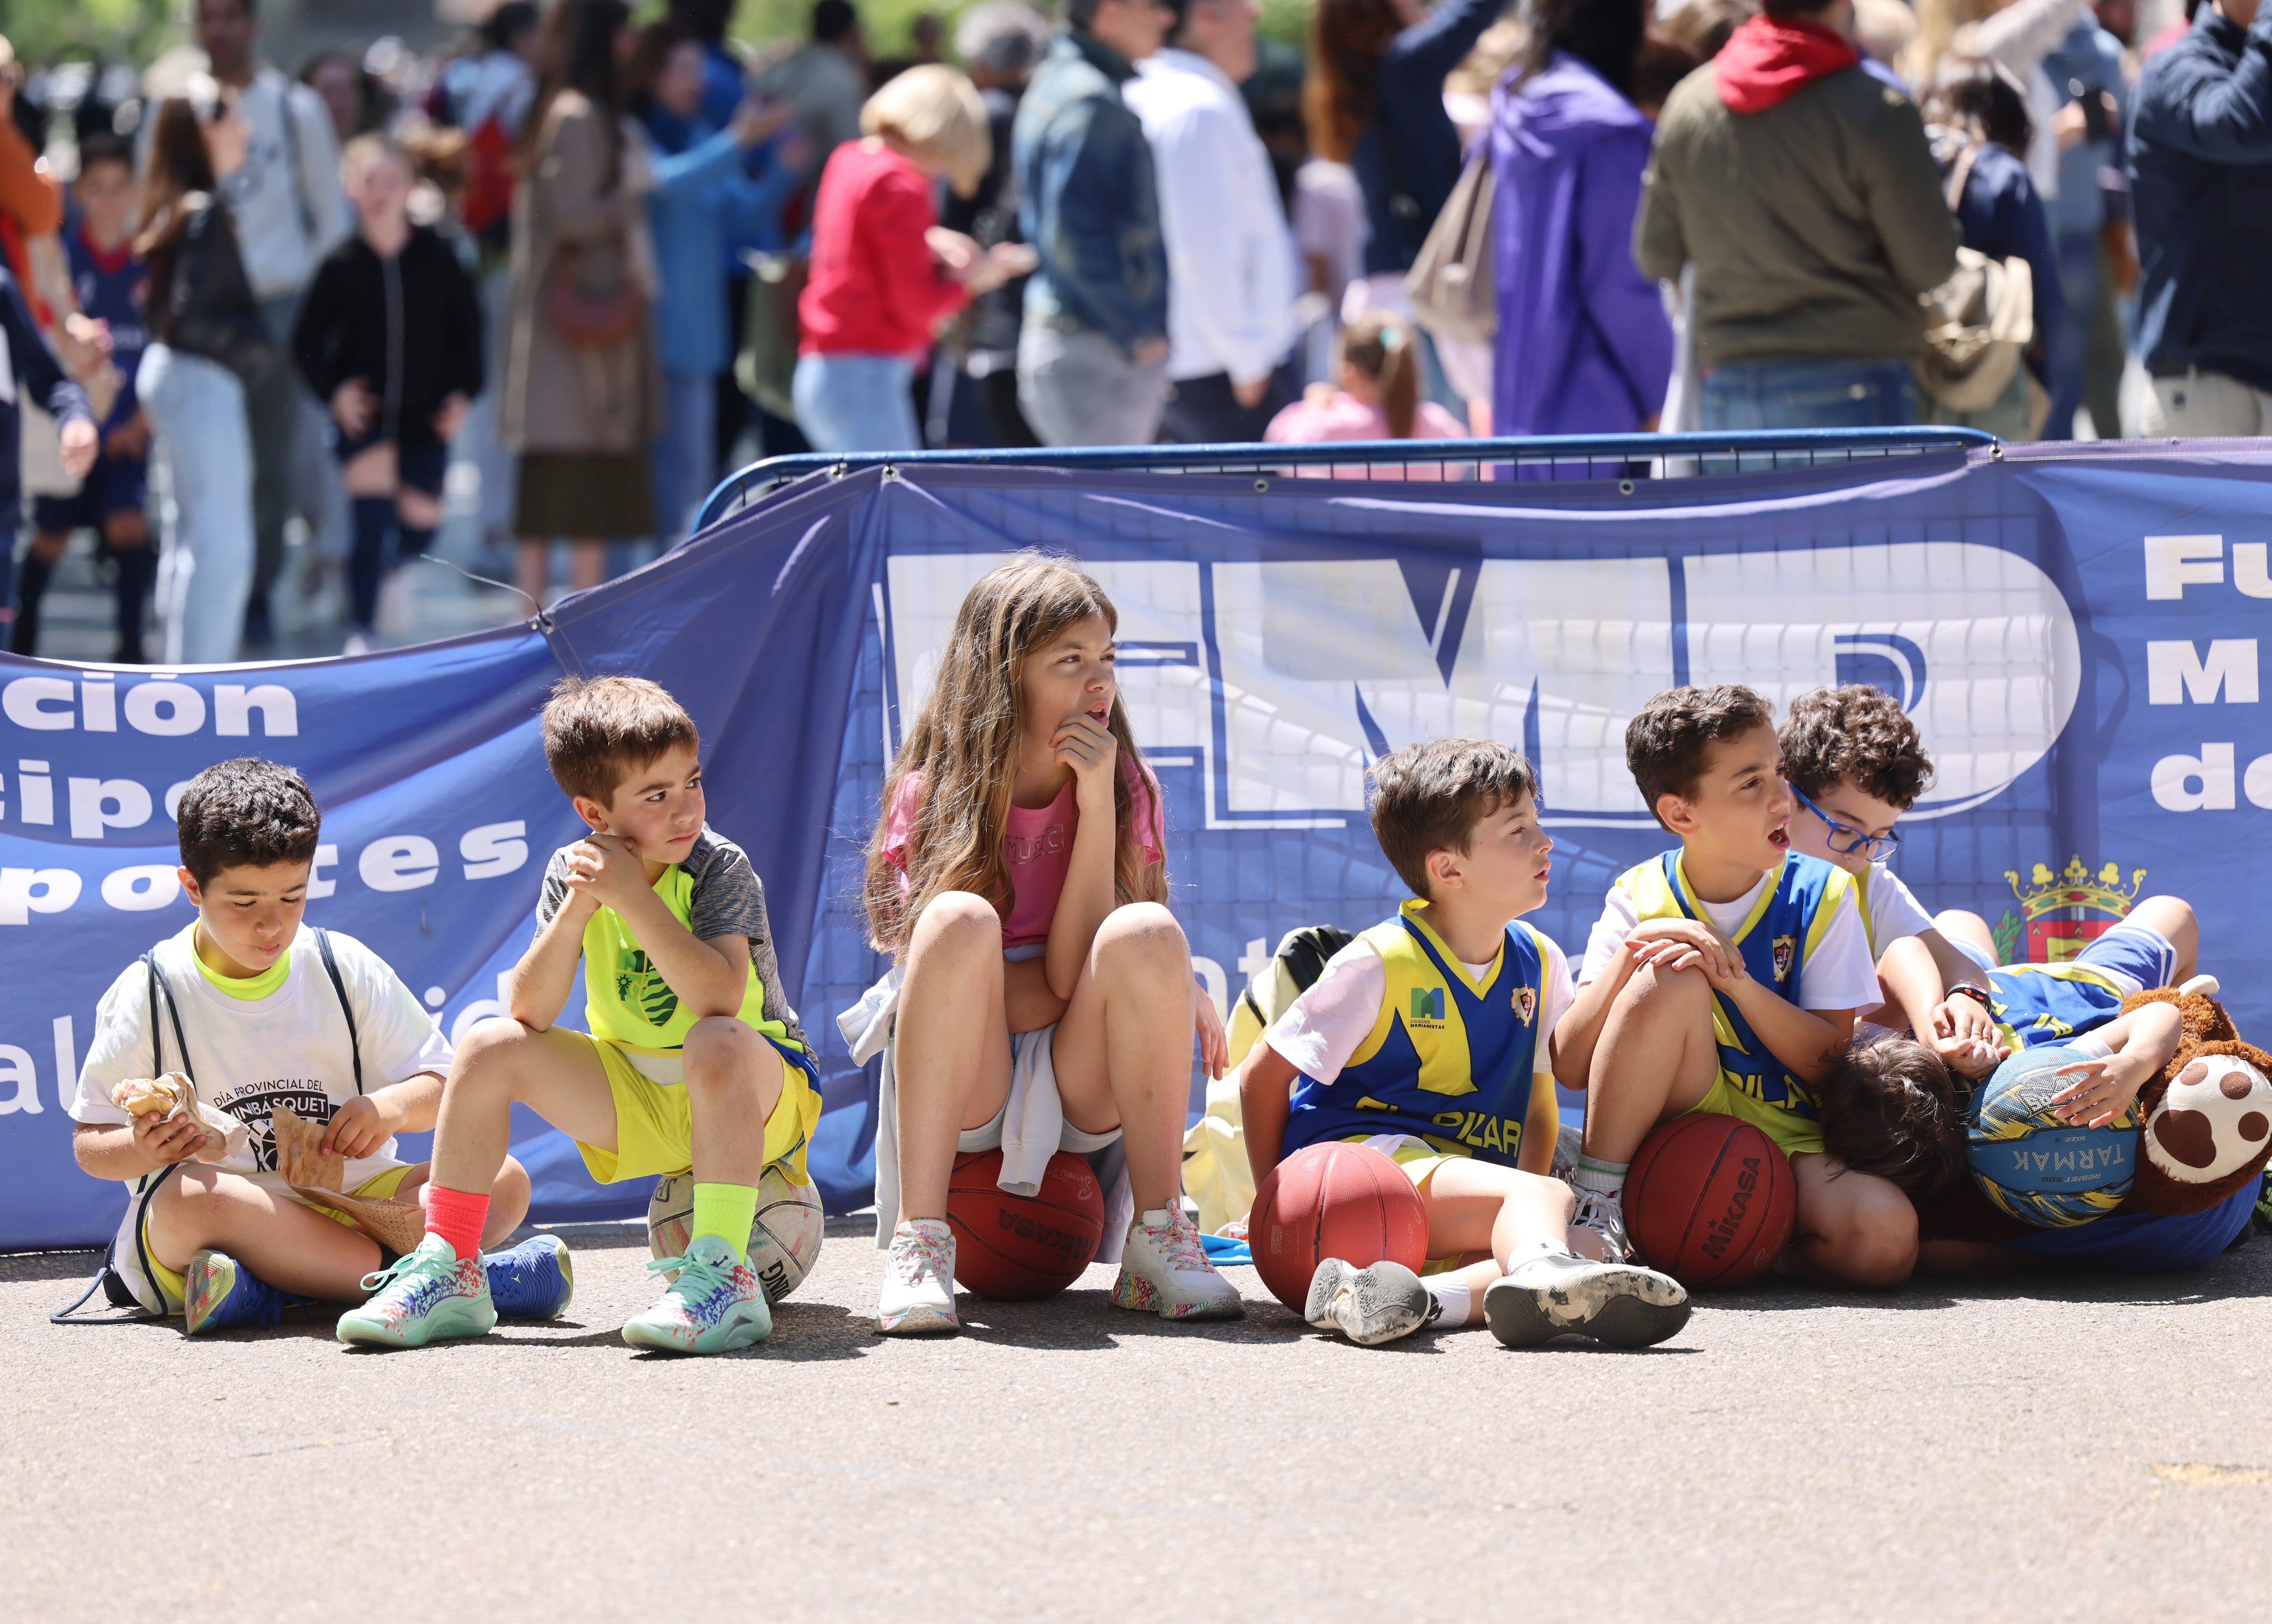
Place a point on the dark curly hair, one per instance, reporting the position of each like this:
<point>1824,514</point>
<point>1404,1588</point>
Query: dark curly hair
<point>1857,734</point>
<point>1430,797</point>
<point>1667,742</point>
<point>246,814</point>
<point>1894,1109</point>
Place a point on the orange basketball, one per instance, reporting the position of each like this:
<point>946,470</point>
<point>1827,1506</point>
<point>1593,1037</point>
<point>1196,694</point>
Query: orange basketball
<point>1345,1201</point>
<point>1017,1248</point>
<point>1710,1201</point>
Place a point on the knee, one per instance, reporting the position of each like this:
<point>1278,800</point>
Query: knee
<point>1869,1233</point>
<point>1142,938</point>
<point>956,923</point>
<point>127,527</point>
<point>1680,992</point>
<point>721,1048</point>
<point>416,510</point>
<point>488,1058</point>
<point>193,1189</point>
<point>2173,916</point>
<point>510,1188</point>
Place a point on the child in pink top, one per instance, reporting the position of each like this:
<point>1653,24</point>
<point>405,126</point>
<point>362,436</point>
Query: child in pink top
<point>1019,876</point>
<point>1379,399</point>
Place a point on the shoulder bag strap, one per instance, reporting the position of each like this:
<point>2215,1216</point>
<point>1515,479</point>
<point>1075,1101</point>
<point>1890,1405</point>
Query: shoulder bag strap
<point>332,969</point>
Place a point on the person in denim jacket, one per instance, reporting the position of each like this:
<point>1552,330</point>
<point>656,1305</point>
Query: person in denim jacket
<point>1092,358</point>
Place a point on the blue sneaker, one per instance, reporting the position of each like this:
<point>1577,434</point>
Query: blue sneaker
<point>715,1305</point>
<point>220,1294</point>
<point>532,1281</point>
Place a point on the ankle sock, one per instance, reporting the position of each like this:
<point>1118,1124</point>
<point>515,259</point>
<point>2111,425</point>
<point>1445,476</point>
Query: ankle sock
<point>1600,1177</point>
<point>1454,1300</point>
<point>726,1211</point>
<point>458,1217</point>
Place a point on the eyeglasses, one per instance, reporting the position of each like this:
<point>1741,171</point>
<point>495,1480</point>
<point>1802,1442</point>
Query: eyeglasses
<point>1872,847</point>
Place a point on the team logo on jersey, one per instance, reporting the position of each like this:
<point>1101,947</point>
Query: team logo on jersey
<point>1427,1006</point>
<point>640,985</point>
<point>1786,949</point>
<point>1526,1004</point>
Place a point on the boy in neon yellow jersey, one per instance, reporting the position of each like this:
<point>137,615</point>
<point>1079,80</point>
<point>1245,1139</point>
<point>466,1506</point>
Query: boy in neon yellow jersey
<point>263,1014</point>
<point>1723,977</point>
<point>693,1060</point>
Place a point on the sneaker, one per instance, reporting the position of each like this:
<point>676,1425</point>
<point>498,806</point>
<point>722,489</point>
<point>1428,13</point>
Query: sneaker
<point>714,1304</point>
<point>429,1295</point>
<point>532,1281</point>
<point>220,1294</point>
<point>1605,1216</point>
<point>1561,1293</point>
<point>918,1294</point>
<point>1164,1270</point>
<point>1369,1306</point>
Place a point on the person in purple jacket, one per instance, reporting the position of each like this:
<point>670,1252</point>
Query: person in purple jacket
<point>1583,345</point>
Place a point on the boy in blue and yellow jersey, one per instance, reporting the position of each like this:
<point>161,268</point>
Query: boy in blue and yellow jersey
<point>1723,977</point>
<point>693,1059</point>
<point>1427,1039</point>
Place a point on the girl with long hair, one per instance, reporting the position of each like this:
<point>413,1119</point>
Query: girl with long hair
<point>1044,998</point>
<point>208,345</point>
<point>1376,396</point>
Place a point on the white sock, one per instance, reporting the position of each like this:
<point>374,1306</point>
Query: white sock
<point>1456,1299</point>
<point>1600,1177</point>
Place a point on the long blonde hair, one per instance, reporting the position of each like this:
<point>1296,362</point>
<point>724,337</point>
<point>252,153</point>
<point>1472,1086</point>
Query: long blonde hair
<point>964,742</point>
<point>1941,29</point>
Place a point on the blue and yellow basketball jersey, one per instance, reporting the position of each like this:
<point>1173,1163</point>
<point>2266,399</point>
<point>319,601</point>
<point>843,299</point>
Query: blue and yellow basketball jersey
<point>1449,1060</point>
<point>1785,926</point>
<point>2038,1006</point>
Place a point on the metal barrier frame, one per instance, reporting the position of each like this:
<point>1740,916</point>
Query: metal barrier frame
<point>1625,459</point>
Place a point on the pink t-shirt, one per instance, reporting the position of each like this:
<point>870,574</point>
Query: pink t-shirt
<point>1338,416</point>
<point>1036,848</point>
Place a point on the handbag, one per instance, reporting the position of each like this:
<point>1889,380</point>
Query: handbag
<point>1451,284</point>
<point>1976,323</point>
<point>584,320</point>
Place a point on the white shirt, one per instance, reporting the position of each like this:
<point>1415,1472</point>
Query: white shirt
<point>250,1055</point>
<point>1889,908</point>
<point>1841,973</point>
<point>1322,1028</point>
<point>288,214</point>
<point>1230,262</point>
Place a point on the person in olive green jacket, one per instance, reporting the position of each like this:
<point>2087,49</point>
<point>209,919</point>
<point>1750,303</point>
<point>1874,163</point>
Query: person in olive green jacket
<point>1801,189</point>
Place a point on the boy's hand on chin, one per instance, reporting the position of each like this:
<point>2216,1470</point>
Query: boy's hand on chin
<point>605,869</point>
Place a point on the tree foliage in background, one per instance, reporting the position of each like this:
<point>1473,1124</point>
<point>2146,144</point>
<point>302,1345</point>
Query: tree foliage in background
<point>112,31</point>
<point>889,23</point>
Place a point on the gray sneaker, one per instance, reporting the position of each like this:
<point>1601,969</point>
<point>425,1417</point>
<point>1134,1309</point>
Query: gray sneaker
<point>1562,1294</point>
<point>1369,1306</point>
<point>1605,1216</point>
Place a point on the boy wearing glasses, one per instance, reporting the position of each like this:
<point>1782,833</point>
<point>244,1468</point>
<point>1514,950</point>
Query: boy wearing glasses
<point>1723,977</point>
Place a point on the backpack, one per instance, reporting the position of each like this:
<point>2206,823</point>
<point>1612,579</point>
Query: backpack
<point>489,176</point>
<point>1976,323</point>
<point>136,1290</point>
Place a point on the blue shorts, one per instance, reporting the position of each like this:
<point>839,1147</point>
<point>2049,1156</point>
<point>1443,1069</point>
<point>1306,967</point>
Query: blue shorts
<point>114,485</point>
<point>2134,956</point>
<point>2145,1243</point>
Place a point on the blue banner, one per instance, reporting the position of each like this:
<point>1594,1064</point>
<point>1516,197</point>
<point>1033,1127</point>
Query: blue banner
<point>2071,630</point>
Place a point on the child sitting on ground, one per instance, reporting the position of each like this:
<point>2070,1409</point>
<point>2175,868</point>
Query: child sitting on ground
<point>263,1015</point>
<point>1377,397</point>
<point>1426,1038</point>
<point>693,1061</point>
<point>1723,977</point>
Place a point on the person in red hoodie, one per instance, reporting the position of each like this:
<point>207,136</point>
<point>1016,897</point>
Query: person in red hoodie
<point>1803,192</point>
<point>885,272</point>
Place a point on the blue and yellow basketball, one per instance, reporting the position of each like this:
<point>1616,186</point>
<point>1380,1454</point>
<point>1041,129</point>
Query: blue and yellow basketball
<point>2034,1167</point>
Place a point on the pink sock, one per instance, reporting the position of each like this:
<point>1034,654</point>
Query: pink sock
<point>458,1218</point>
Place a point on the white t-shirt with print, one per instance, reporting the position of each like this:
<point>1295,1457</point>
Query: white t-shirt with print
<point>250,1055</point>
<point>1841,973</point>
<point>1321,1029</point>
<point>1891,909</point>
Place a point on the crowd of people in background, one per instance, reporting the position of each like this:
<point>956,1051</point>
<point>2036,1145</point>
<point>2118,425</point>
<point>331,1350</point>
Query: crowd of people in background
<point>597,265</point>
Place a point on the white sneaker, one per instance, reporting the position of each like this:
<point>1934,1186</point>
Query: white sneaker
<point>1164,1270</point>
<point>1560,1293</point>
<point>918,1294</point>
<point>1605,1216</point>
<point>1368,1306</point>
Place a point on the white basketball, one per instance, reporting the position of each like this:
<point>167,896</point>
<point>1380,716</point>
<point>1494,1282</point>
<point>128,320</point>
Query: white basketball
<point>2213,1120</point>
<point>783,1242</point>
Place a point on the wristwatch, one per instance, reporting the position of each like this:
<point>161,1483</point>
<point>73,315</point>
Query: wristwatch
<point>1970,991</point>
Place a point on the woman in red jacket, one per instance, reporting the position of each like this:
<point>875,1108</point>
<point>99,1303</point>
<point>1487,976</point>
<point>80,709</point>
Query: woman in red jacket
<point>884,273</point>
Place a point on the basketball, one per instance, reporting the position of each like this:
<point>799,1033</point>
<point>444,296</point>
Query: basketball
<point>783,1242</point>
<point>1014,1248</point>
<point>1710,1201</point>
<point>2033,1166</point>
<point>1345,1201</point>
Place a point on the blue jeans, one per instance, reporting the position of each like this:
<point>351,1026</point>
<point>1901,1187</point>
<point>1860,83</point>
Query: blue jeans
<point>682,454</point>
<point>205,568</point>
<point>1809,394</point>
<point>857,403</point>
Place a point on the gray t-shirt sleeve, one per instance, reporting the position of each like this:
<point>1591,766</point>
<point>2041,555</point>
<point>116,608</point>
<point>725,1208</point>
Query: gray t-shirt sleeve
<point>729,900</point>
<point>555,888</point>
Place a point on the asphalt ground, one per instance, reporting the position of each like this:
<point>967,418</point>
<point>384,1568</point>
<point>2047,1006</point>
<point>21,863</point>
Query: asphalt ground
<point>2041,1447</point>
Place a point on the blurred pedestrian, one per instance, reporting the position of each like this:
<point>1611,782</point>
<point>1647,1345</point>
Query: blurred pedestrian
<point>1804,193</point>
<point>211,345</point>
<point>1230,260</point>
<point>884,272</point>
<point>582,395</point>
<point>1093,353</point>
<point>353,98</point>
<point>1375,396</point>
<point>2087,70</point>
<point>825,79</point>
<point>1583,346</point>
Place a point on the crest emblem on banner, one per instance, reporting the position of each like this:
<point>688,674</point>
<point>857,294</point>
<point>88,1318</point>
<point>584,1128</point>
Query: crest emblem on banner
<point>1786,949</point>
<point>2060,914</point>
<point>1526,1004</point>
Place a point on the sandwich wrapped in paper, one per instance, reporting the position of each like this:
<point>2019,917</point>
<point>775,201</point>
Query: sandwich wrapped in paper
<point>175,1095</point>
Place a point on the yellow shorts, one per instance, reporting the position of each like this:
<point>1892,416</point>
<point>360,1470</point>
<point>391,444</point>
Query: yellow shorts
<point>1797,1135</point>
<point>176,1289</point>
<point>654,1131</point>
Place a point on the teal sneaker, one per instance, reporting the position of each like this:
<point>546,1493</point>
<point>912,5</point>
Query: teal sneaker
<point>428,1296</point>
<point>532,1281</point>
<point>220,1294</point>
<point>716,1304</point>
